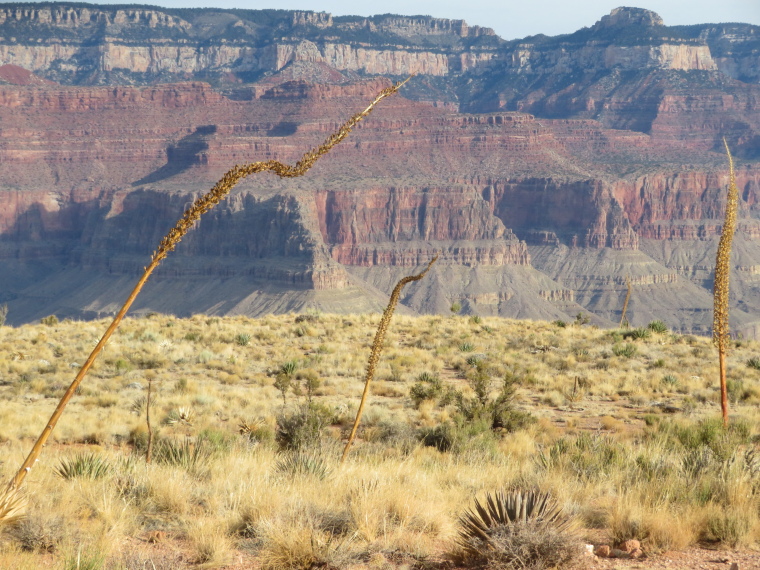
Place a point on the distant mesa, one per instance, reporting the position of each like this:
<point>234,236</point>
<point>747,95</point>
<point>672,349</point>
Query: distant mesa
<point>624,17</point>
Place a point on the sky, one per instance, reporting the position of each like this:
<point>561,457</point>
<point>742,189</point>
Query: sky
<point>509,18</point>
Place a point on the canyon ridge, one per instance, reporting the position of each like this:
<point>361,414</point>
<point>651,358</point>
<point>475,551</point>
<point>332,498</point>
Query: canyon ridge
<point>547,173</point>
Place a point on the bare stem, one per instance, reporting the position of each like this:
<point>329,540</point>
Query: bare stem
<point>170,241</point>
<point>377,346</point>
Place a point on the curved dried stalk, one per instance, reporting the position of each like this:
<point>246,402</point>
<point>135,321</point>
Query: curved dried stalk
<point>170,241</point>
<point>377,347</point>
<point>720,287</point>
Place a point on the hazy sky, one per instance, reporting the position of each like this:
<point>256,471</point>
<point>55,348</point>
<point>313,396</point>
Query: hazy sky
<point>510,18</point>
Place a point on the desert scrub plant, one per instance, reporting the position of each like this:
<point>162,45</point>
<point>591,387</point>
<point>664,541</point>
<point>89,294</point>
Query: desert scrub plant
<point>521,529</point>
<point>191,216</point>
<point>83,466</point>
<point>627,350</point>
<point>303,428</point>
<point>193,456</point>
<point>658,327</point>
<point>302,464</point>
<point>427,387</point>
<point>635,334</point>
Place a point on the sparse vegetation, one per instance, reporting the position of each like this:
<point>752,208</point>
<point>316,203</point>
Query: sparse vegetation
<point>628,452</point>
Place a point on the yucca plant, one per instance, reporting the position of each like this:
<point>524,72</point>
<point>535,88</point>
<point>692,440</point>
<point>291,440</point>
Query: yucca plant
<point>83,466</point>
<point>186,454</point>
<point>303,464</point>
<point>12,506</point>
<point>519,529</point>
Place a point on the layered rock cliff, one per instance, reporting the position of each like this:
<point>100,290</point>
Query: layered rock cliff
<point>540,200</point>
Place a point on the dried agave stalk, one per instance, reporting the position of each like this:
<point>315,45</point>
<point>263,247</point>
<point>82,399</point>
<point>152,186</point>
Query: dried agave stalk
<point>170,241</point>
<point>627,298</point>
<point>377,346</point>
<point>720,287</point>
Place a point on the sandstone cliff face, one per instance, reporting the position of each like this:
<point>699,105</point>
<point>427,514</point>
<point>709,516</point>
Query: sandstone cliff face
<point>538,205</point>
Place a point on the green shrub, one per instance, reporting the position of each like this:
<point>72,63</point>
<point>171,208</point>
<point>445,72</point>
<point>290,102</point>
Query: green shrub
<point>242,339</point>
<point>658,327</point>
<point>754,362</point>
<point>559,323</point>
<point>640,333</point>
<point>49,321</point>
<point>303,428</point>
<point>670,380</point>
<point>624,350</point>
<point>427,387</point>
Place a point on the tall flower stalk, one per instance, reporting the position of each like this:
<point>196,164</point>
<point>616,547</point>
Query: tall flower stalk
<point>377,347</point>
<point>721,290</point>
<point>168,243</point>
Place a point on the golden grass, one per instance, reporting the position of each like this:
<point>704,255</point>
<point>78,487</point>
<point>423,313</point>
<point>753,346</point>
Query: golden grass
<point>609,451</point>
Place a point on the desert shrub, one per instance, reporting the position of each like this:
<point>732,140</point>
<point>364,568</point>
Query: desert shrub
<point>517,530</point>
<point>3,314</point>
<point>466,347</point>
<point>49,321</point>
<point>754,362</point>
<point>303,428</point>
<point>243,339</point>
<point>670,380</point>
<point>192,456</point>
<point>303,464</point>
<point>193,336</point>
<point>586,457</point>
<point>635,334</point>
<point>624,350</point>
<point>559,323</point>
<point>730,527</point>
<point>427,387</point>
<point>38,533</point>
<point>83,466</point>
<point>658,327</point>
<point>498,412</point>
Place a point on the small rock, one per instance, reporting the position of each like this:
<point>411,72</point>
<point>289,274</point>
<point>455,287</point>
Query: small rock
<point>617,553</point>
<point>629,545</point>
<point>734,566</point>
<point>602,551</point>
<point>636,553</point>
<point>589,550</point>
